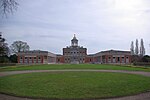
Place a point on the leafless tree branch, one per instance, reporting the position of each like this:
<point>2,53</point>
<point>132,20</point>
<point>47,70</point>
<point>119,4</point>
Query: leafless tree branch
<point>8,6</point>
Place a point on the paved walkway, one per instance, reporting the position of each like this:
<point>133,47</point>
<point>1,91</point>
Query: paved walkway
<point>142,96</point>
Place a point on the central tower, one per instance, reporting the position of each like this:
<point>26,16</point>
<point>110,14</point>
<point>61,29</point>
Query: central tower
<point>74,41</point>
<point>74,54</point>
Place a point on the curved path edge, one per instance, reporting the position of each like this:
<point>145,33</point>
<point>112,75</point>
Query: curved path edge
<point>142,96</point>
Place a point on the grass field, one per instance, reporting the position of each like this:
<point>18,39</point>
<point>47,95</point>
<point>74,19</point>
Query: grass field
<point>74,66</point>
<point>76,85</point>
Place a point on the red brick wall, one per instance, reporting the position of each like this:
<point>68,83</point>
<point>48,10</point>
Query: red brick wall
<point>89,59</point>
<point>18,59</point>
<point>60,59</point>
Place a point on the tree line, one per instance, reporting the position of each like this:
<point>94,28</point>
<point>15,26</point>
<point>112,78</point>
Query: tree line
<point>8,54</point>
<point>138,53</point>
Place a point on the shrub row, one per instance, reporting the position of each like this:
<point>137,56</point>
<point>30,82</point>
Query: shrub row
<point>141,64</point>
<point>7,64</point>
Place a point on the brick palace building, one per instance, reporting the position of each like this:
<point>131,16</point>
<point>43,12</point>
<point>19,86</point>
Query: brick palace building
<point>36,57</point>
<point>75,54</point>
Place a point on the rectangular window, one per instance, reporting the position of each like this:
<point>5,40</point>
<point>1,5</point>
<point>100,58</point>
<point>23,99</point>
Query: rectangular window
<point>122,59</point>
<point>45,57</point>
<point>118,58</point>
<point>114,60</point>
<point>109,59</point>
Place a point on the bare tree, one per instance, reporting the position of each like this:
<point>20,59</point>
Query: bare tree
<point>136,47</point>
<point>142,49</point>
<point>8,6</point>
<point>132,48</point>
<point>4,50</point>
<point>19,46</point>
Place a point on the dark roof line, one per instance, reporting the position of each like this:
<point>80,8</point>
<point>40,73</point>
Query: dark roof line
<point>113,51</point>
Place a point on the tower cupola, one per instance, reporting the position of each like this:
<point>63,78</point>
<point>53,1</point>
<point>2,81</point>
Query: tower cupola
<point>74,41</point>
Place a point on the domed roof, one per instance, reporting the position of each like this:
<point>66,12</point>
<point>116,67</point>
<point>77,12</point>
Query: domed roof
<point>74,38</point>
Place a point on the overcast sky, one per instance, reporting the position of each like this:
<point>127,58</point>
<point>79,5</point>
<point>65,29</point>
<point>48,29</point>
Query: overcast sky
<point>98,24</point>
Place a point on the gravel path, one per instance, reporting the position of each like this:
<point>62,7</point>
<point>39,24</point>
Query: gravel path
<point>142,96</point>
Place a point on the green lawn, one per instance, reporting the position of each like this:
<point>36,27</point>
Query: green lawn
<point>74,66</point>
<point>74,85</point>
